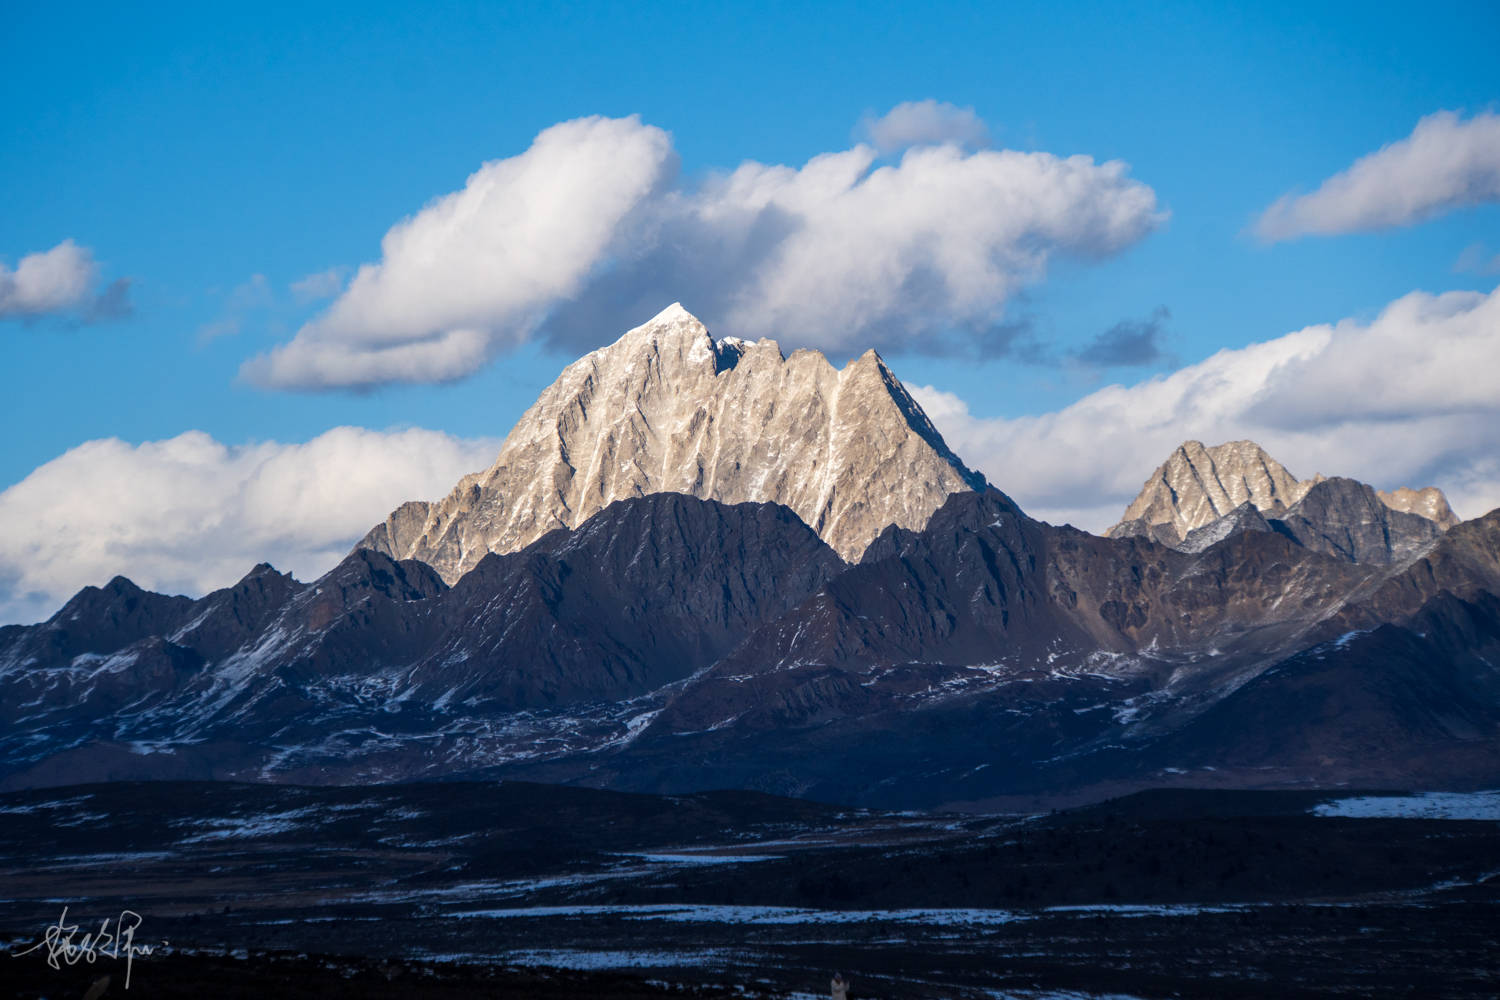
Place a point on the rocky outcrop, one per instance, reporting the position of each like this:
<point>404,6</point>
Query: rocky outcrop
<point>666,409</point>
<point>1429,502</point>
<point>1196,486</point>
<point>400,530</point>
<point>1245,517</point>
<point>1200,496</point>
<point>1345,518</point>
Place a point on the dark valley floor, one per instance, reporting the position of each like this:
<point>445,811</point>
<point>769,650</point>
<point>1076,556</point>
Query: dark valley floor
<point>515,889</point>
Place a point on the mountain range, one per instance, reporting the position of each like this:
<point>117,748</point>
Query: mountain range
<point>699,564</point>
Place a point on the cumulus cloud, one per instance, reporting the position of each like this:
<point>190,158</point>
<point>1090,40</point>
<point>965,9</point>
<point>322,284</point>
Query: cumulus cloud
<point>925,123</point>
<point>1409,399</point>
<point>190,514</point>
<point>1446,163</point>
<point>476,270</point>
<point>59,280</point>
<point>590,231</point>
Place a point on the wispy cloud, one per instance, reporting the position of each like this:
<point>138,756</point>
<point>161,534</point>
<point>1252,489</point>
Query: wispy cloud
<point>252,296</point>
<point>591,230</point>
<point>111,304</point>
<point>1129,343</point>
<point>1446,163</point>
<point>1475,259</point>
<point>321,285</point>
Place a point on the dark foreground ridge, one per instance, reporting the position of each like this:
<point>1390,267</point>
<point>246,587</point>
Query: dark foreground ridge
<point>671,644</point>
<point>516,889</point>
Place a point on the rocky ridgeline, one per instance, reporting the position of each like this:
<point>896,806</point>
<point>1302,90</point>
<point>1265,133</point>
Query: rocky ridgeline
<point>666,409</point>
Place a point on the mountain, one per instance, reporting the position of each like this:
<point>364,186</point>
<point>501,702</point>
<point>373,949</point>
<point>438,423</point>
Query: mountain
<point>644,594</point>
<point>1200,495</point>
<point>1196,486</point>
<point>668,409</point>
<point>907,637</point>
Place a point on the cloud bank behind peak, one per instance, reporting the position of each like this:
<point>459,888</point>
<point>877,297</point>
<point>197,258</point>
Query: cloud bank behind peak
<point>592,227</point>
<point>1411,398</point>
<point>189,514</point>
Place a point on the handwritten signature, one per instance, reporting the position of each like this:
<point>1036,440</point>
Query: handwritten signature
<point>63,945</point>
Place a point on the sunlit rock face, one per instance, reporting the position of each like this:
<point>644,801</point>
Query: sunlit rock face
<point>1429,503</point>
<point>1196,486</point>
<point>1201,495</point>
<point>667,409</point>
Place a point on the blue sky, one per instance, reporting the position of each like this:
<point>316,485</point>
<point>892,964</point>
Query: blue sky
<point>193,148</point>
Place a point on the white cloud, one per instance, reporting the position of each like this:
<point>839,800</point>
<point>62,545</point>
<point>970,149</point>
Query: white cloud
<point>476,270</point>
<point>189,514</point>
<point>925,123</point>
<point>49,281</point>
<point>588,232</point>
<point>1445,163</point>
<point>322,285</point>
<point>1410,399</point>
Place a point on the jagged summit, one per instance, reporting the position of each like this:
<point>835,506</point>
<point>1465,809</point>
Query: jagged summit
<point>1197,485</point>
<point>1201,495</point>
<point>667,409</point>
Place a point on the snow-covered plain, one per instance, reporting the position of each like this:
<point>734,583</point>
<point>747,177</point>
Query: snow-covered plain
<point>1427,805</point>
<point>752,915</point>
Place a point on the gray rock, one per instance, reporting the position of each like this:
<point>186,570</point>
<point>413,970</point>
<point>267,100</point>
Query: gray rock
<point>1345,518</point>
<point>1245,517</point>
